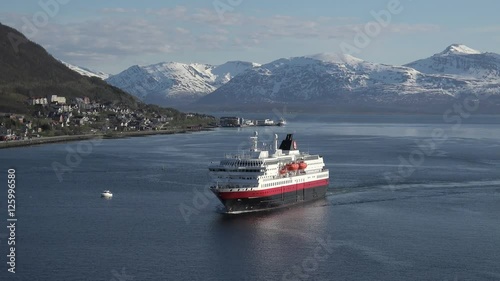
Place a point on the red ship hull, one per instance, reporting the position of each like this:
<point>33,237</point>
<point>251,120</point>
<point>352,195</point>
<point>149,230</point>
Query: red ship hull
<point>268,199</point>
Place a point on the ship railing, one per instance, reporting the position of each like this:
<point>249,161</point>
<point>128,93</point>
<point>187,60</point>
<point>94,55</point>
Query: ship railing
<point>237,156</point>
<point>238,181</point>
<point>233,186</point>
<point>234,181</point>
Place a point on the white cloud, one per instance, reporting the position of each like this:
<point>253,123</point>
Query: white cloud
<point>182,30</point>
<point>413,28</point>
<point>179,29</point>
<point>108,38</point>
<point>118,10</point>
<point>484,29</point>
<point>179,12</point>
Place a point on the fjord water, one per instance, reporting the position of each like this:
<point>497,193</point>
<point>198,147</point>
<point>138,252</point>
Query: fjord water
<point>380,220</point>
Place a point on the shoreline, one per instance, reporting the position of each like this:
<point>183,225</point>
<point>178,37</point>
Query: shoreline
<point>114,135</point>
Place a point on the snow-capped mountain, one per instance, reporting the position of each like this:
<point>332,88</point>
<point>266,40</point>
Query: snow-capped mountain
<point>173,83</point>
<point>321,80</point>
<point>85,71</point>
<point>461,61</point>
<point>344,81</point>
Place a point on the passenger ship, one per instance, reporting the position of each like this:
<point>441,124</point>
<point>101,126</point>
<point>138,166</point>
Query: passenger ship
<point>261,180</point>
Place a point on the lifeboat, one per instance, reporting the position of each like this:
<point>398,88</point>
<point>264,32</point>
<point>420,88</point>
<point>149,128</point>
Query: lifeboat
<point>293,167</point>
<point>283,171</point>
<point>302,165</point>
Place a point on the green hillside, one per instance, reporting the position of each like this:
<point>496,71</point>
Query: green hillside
<point>27,70</point>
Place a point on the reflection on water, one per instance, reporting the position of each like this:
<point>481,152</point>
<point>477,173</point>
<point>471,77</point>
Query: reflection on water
<point>264,240</point>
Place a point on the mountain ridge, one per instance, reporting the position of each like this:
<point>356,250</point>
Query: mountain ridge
<point>174,83</point>
<point>460,61</point>
<point>457,48</point>
<point>85,71</point>
<point>354,83</point>
<point>323,79</point>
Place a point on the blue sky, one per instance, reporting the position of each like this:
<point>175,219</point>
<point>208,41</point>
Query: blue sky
<point>112,35</point>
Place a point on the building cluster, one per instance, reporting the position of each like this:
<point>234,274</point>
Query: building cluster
<point>234,121</point>
<point>11,134</point>
<point>56,112</point>
<point>51,99</point>
<point>126,120</point>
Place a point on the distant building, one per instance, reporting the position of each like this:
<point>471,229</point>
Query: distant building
<point>19,118</point>
<point>66,108</point>
<point>83,103</point>
<point>56,99</point>
<point>3,133</point>
<point>230,121</point>
<point>40,101</point>
<point>265,122</point>
<point>80,120</point>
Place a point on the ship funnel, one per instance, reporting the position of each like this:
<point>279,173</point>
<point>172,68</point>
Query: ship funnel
<point>288,143</point>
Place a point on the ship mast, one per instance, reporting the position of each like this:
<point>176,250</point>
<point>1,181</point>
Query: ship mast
<point>255,140</point>
<point>275,143</point>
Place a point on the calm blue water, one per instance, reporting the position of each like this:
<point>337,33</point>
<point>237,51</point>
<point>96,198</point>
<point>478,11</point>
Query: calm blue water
<point>383,219</point>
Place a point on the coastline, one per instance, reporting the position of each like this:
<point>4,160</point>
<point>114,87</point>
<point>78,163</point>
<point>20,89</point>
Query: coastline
<point>114,135</point>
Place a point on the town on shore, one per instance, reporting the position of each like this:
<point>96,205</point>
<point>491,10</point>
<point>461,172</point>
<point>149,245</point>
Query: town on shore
<point>55,117</point>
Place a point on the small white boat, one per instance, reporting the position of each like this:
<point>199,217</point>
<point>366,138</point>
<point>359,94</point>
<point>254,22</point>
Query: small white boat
<point>106,194</point>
